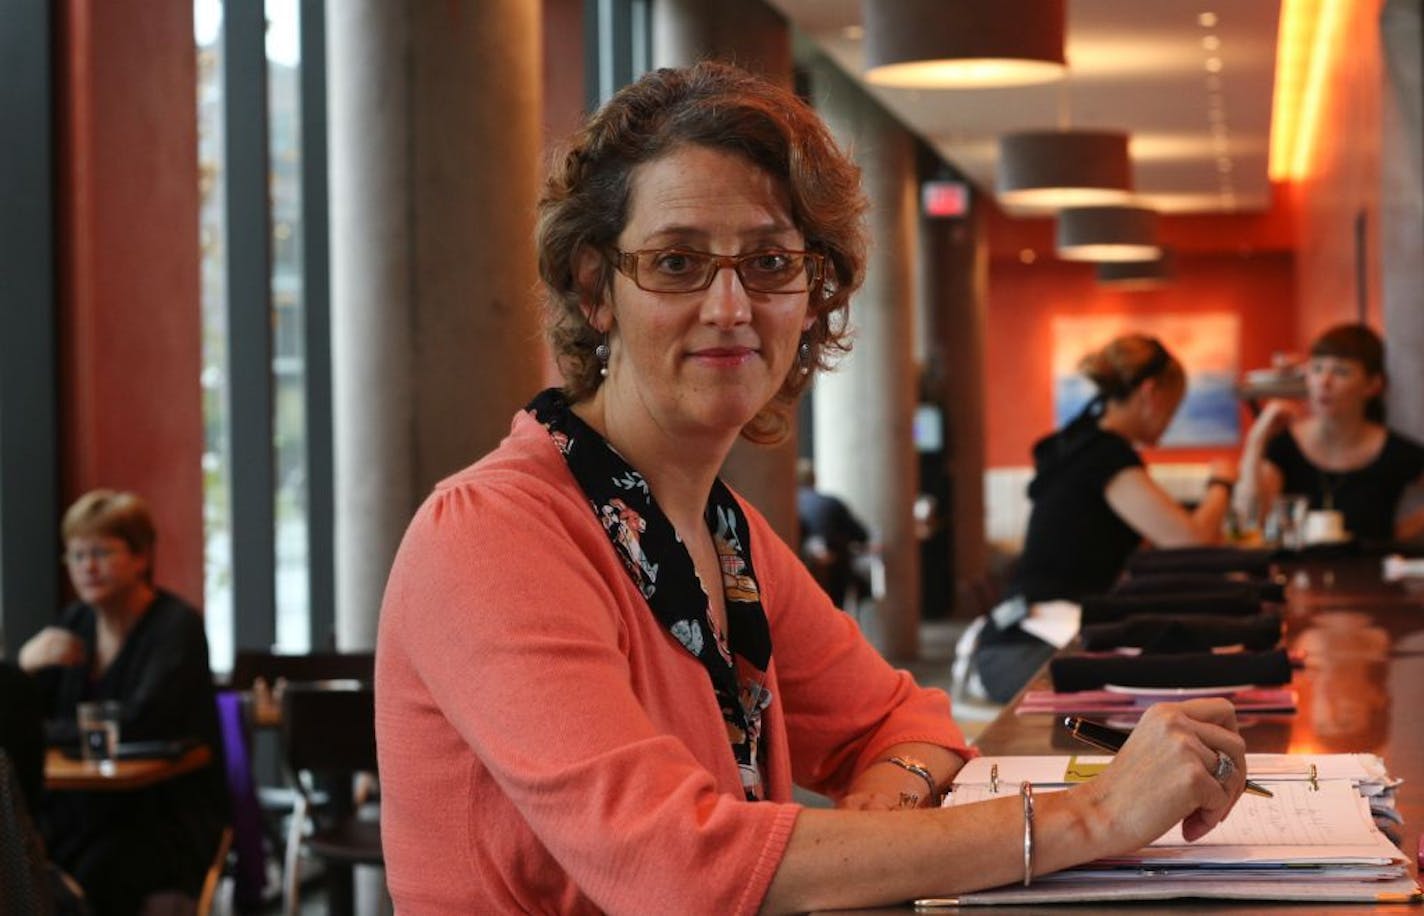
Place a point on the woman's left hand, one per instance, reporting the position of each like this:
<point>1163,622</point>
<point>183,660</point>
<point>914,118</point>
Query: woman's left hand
<point>880,801</point>
<point>883,786</point>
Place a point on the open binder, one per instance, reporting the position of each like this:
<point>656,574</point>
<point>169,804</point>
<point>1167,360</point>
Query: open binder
<point>1315,840</point>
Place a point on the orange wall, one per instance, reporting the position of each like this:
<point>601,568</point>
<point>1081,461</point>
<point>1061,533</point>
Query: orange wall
<point>1258,286</point>
<point>129,319</point>
<point>1344,181</point>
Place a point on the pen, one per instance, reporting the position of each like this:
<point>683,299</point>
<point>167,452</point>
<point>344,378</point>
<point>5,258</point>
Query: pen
<point>1112,740</point>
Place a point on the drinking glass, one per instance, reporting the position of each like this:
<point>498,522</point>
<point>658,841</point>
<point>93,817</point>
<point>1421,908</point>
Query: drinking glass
<point>1285,524</point>
<point>99,732</point>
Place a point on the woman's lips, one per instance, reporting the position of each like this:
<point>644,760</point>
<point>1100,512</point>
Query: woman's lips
<point>723,356</point>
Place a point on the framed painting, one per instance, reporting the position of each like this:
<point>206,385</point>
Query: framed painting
<point>1206,343</point>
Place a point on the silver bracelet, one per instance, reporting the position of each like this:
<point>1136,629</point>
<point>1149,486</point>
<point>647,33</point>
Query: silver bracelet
<point>1026,793</point>
<point>919,769</point>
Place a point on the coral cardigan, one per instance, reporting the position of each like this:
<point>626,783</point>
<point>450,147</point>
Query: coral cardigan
<point>546,746</point>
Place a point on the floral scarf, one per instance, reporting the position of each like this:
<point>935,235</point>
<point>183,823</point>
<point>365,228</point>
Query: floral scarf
<point>662,569</point>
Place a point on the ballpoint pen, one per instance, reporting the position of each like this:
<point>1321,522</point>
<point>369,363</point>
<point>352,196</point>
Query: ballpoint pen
<point>1112,740</point>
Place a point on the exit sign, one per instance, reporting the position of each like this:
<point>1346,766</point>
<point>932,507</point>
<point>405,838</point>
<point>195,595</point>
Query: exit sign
<point>944,198</point>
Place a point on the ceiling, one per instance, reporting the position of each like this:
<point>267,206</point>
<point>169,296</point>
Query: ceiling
<point>1200,137</point>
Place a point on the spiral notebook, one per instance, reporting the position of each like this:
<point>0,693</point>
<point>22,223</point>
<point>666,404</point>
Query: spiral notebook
<point>1316,839</point>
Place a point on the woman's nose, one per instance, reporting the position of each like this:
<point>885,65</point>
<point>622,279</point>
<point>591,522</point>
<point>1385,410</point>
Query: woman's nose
<point>726,302</point>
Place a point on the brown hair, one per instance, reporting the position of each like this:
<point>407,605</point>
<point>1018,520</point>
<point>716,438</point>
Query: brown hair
<point>111,513</point>
<point>719,106</point>
<point>1356,342</point>
<point>1128,361</point>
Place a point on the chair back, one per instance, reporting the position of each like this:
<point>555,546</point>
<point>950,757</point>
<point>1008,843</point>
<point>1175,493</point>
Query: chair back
<point>250,664</point>
<point>329,727</point>
<point>246,833</point>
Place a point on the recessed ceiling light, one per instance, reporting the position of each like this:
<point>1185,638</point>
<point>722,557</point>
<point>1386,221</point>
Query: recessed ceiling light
<point>1213,65</point>
<point>1213,82</point>
<point>1027,256</point>
<point>1211,42</point>
<point>1206,20</point>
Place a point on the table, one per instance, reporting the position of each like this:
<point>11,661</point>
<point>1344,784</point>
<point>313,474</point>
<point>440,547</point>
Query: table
<point>65,774</point>
<point>1362,689</point>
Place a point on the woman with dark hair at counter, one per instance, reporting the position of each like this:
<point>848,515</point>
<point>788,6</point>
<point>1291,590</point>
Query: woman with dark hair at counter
<point>599,671</point>
<point>1335,448</point>
<point>1094,502</point>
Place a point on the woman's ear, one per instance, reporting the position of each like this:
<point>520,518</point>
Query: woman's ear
<point>588,277</point>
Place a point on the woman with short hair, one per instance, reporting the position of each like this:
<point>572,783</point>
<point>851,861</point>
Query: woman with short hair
<point>127,640</point>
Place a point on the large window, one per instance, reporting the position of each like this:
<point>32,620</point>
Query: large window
<point>284,345</point>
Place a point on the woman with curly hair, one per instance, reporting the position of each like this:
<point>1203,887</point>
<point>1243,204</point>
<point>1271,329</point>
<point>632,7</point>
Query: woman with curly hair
<point>599,671</point>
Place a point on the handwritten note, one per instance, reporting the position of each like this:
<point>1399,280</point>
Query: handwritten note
<point>1297,816</point>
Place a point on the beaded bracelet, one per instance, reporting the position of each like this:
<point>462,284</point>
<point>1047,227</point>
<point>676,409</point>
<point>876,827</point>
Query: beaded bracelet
<point>1026,793</point>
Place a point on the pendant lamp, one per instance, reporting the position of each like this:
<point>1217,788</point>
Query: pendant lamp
<point>1108,234</point>
<point>1136,275</point>
<point>1053,169</point>
<point>949,44</point>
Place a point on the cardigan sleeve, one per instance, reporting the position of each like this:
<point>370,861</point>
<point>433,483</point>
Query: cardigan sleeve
<point>844,704</point>
<point>509,614</point>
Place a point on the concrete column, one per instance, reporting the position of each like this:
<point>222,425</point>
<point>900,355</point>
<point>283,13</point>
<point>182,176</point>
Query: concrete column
<point>749,33</point>
<point>864,411</point>
<point>435,151</point>
<point>954,270</point>
<point>1402,212</point>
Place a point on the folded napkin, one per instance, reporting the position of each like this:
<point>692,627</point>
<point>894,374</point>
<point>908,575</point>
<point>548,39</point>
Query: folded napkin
<point>1259,589</point>
<point>1194,669</point>
<point>1255,561</point>
<point>1174,634</point>
<point>1223,603</point>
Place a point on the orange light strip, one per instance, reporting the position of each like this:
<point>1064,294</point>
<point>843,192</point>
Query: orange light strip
<point>1297,29</point>
<point>1308,40</point>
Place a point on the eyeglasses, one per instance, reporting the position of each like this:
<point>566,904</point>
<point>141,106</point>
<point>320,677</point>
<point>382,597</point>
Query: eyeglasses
<point>97,554</point>
<point>682,270</point>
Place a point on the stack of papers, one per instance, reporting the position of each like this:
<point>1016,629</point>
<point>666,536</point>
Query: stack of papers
<point>1315,840</point>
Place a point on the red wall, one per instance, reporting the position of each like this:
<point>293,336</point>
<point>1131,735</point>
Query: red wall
<point>129,319</point>
<point>1023,299</point>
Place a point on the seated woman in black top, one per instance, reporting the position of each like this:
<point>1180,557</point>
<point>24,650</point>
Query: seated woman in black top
<point>1094,503</point>
<point>128,641</point>
<point>1337,451</point>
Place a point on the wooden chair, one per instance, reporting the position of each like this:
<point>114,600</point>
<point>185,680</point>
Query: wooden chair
<point>329,732</point>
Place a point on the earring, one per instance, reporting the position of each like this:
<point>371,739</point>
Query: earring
<point>601,353</point>
<point>803,357</point>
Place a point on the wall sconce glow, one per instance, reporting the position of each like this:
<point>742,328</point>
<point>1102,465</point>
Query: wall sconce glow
<point>947,44</point>
<point>1309,36</point>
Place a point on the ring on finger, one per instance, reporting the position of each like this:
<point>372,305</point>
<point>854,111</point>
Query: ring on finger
<point>1225,766</point>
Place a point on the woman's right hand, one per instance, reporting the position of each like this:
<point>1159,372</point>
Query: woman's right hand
<point>1164,774</point>
<point>1275,417</point>
<point>51,647</point>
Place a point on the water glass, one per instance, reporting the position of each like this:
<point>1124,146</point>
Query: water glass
<point>1285,524</point>
<point>98,722</point>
